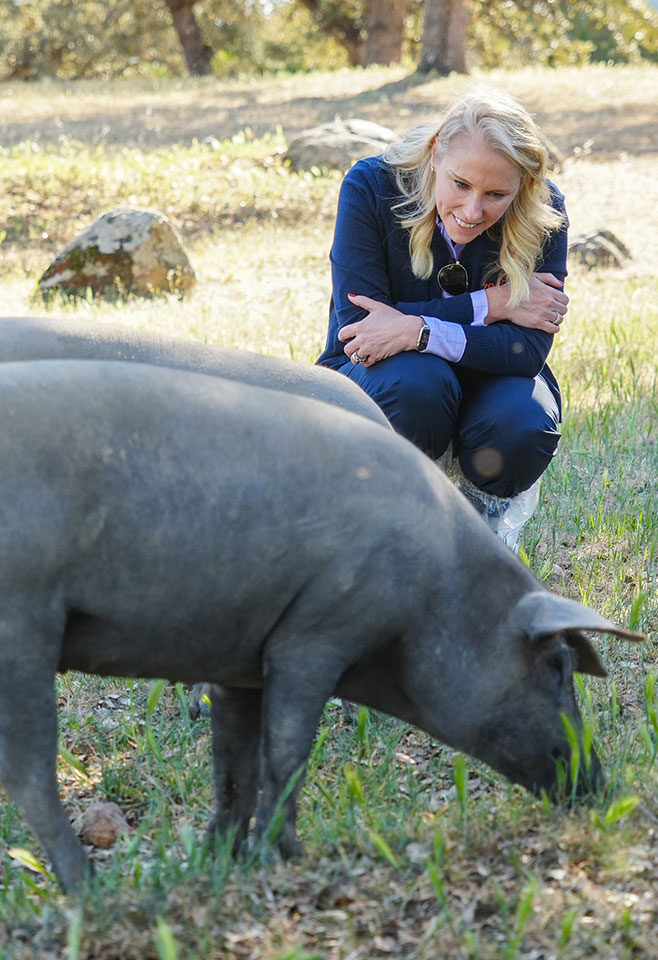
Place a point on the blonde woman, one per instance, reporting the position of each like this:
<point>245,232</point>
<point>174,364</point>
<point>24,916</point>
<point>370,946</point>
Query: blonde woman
<point>448,268</point>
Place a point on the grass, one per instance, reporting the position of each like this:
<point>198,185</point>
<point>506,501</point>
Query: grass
<point>412,850</point>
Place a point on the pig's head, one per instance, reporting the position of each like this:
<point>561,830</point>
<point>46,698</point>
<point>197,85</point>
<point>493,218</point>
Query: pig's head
<point>524,736</point>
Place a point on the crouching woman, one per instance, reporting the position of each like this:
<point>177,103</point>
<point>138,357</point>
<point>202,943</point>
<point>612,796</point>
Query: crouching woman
<point>448,267</point>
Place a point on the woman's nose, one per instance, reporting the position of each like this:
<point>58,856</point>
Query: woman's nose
<point>473,209</point>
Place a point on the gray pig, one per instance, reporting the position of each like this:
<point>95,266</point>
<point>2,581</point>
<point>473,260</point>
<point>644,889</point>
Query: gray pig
<point>160,523</point>
<point>37,338</point>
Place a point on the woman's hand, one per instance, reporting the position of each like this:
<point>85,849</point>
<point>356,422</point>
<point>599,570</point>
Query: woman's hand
<point>383,333</point>
<point>543,310</point>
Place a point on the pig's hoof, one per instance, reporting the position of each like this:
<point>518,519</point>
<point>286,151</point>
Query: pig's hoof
<point>264,853</point>
<point>284,848</point>
<point>233,840</point>
<point>292,850</point>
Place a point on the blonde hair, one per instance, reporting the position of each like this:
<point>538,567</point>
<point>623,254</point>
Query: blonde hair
<point>491,117</point>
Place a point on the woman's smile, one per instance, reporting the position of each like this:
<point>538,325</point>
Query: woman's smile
<point>464,225</point>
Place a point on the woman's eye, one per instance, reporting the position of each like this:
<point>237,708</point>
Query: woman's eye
<point>461,185</point>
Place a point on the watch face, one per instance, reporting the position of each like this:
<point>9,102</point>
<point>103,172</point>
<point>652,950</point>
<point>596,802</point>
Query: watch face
<point>423,338</point>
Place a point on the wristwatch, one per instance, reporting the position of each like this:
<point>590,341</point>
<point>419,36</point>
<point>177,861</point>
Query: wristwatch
<point>423,337</point>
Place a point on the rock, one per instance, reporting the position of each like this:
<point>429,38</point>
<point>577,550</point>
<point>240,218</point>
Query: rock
<point>338,145</point>
<point>124,251</point>
<point>599,249</point>
<point>101,824</point>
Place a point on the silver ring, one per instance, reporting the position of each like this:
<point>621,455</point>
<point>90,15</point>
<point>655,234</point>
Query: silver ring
<point>558,318</point>
<point>356,358</point>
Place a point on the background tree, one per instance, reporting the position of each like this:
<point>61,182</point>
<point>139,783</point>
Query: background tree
<point>71,39</point>
<point>328,34</point>
<point>370,31</point>
<point>197,54</point>
<point>81,38</point>
<point>385,30</point>
<point>560,32</point>
<point>445,25</point>
<point>491,33</point>
<point>344,21</point>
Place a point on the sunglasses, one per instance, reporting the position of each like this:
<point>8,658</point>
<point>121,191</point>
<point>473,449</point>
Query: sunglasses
<point>453,278</point>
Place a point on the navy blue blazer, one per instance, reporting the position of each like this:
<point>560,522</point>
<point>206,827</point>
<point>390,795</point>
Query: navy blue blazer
<point>370,257</point>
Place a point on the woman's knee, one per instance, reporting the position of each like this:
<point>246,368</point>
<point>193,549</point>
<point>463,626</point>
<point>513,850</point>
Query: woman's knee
<point>419,394</point>
<point>505,447</point>
<point>505,466</point>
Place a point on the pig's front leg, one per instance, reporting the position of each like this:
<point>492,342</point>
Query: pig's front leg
<point>28,753</point>
<point>236,726</point>
<point>295,693</point>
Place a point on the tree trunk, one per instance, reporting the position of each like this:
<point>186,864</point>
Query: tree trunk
<point>444,36</point>
<point>197,54</point>
<point>385,30</point>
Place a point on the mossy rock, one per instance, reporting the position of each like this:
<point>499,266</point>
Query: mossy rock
<point>125,251</point>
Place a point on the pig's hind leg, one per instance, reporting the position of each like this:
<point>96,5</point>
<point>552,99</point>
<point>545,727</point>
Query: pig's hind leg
<point>236,729</point>
<point>28,755</point>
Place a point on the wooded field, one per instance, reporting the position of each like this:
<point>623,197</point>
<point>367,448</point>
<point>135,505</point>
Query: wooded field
<point>412,851</point>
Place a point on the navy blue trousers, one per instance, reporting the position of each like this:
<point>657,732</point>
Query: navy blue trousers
<point>504,429</point>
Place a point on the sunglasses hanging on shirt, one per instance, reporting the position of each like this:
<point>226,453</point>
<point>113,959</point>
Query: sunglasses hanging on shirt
<point>453,278</point>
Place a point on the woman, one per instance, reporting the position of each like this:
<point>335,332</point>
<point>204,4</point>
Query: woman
<point>448,266</point>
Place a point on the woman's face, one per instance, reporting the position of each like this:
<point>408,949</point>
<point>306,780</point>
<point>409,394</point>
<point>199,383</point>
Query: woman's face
<point>475,185</point>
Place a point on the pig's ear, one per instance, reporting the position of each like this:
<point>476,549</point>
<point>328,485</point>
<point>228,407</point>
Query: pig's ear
<point>587,659</point>
<point>542,614</point>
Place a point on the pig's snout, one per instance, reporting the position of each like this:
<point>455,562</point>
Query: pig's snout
<point>545,766</point>
<point>589,778</point>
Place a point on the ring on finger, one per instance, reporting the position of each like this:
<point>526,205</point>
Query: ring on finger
<point>356,358</point>
<point>558,318</point>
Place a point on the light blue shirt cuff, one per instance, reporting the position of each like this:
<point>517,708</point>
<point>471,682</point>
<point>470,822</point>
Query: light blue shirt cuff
<point>480,308</point>
<point>446,339</point>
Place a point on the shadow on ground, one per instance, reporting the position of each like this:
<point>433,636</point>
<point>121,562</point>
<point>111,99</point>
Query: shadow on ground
<point>146,121</point>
